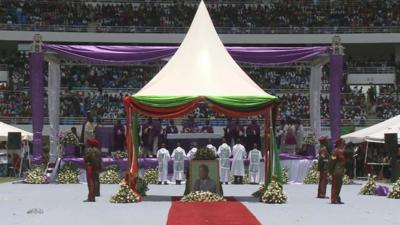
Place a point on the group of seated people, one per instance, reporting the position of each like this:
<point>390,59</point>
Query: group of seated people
<point>297,15</point>
<point>100,89</point>
<point>231,162</point>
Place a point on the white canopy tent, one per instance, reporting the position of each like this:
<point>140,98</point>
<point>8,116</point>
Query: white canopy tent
<point>379,137</point>
<point>375,133</point>
<point>5,128</point>
<point>204,65</point>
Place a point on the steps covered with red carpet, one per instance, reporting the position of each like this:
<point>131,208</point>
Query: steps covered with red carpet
<point>231,212</point>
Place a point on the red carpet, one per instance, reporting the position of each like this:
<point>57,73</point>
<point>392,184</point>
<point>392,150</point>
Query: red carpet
<point>230,212</point>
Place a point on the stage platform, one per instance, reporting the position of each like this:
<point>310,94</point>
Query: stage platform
<point>297,165</point>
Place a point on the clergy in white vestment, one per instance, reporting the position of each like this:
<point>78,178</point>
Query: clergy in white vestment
<point>179,155</point>
<point>224,153</point>
<point>163,158</point>
<point>192,152</point>
<point>255,158</point>
<point>239,154</point>
<point>211,147</point>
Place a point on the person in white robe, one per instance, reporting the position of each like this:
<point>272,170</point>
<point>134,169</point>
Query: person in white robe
<point>255,158</point>
<point>211,147</point>
<point>192,152</point>
<point>239,154</point>
<point>89,131</point>
<point>179,155</point>
<point>224,153</point>
<point>163,158</point>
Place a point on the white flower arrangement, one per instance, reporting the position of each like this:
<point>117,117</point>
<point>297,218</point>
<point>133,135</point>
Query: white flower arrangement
<point>202,196</point>
<point>274,194</point>
<point>110,175</point>
<point>395,192</point>
<point>346,179</point>
<point>125,195</point>
<point>119,155</point>
<point>151,176</point>
<point>285,175</point>
<point>312,176</point>
<point>69,138</point>
<point>68,174</point>
<point>245,179</point>
<point>370,187</point>
<point>36,175</point>
<point>310,139</point>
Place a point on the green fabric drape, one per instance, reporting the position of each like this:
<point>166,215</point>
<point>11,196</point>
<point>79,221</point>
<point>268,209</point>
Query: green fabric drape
<point>276,160</point>
<point>242,102</point>
<point>164,101</point>
<point>246,103</point>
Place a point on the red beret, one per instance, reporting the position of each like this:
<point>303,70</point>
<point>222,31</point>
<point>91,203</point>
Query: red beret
<point>322,138</point>
<point>92,142</point>
<point>338,141</point>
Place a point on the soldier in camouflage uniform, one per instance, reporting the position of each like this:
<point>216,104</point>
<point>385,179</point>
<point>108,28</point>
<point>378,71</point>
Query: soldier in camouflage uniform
<point>337,170</point>
<point>323,160</point>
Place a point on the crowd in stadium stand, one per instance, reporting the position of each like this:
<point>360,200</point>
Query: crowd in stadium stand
<point>293,14</point>
<point>100,89</point>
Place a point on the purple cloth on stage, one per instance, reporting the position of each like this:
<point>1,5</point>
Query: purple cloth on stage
<point>287,156</point>
<point>118,137</point>
<point>381,190</point>
<point>37,102</point>
<point>69,150</point>
<point>147,163</point>
<point>105,137</point>
<point>335,82</point>
<point>310,150</point>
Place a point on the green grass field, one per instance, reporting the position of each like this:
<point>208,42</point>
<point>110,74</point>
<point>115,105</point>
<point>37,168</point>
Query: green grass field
<point>8,179</point>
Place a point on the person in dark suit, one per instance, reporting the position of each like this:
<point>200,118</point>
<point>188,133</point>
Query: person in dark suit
<point>205,183</point>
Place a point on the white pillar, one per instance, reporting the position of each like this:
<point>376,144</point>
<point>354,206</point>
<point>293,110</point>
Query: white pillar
<point>315,99</point>
<point>54,108</point>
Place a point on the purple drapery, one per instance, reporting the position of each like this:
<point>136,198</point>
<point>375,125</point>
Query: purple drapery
<point>335,82</point>
<point>37,102</point>
<point>120,55</point>
<point>102,54</point>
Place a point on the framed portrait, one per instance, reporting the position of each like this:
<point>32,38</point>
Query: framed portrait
<point>204,176</point>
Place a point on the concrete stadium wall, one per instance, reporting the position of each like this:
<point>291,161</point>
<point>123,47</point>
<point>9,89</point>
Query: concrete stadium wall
<point>164,38</point>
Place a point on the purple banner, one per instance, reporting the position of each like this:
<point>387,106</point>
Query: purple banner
<point>335,81</point>
<point>37,102</point>
<point>106,54</point>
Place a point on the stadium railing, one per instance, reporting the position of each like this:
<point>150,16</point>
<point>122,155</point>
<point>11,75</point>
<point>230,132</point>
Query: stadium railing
<point>373,70</point>
<point>222,30</point>
<point>178,121</point>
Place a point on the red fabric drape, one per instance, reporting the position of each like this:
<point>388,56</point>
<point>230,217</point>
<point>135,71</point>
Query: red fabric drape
<point>233,113</point>
<point>167,113</point>
<point>162,113</point>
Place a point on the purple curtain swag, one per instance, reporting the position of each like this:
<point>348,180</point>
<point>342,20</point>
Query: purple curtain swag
<point>120,55</point>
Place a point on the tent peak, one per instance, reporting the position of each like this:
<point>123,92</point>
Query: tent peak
<point>201,67</point>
